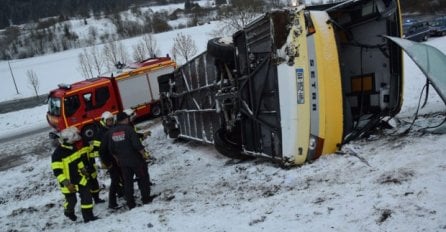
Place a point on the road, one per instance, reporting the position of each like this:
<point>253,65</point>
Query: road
<point>24,134</point>
<point>20,104</point>
<point>16,148</point>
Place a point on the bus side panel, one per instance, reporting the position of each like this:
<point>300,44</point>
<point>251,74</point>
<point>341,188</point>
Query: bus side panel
<point>330,90</point>
<point>303,86</point>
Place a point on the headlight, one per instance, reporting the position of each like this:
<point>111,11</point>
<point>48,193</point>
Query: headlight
<point>313,144</point>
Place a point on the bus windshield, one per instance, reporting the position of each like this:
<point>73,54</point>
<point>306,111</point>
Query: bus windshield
<point>54,106</point>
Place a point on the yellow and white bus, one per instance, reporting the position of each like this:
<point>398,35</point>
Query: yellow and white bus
<point>293,85</point>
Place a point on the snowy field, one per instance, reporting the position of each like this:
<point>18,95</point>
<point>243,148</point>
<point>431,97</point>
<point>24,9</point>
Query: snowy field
<point>393,183</point>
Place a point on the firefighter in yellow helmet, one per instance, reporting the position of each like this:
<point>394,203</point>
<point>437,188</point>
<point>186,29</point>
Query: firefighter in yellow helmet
<point>69,167</point>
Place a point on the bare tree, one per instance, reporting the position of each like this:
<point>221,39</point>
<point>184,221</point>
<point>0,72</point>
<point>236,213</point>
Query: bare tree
<point>110,54</point>
<point>276,3</point>
<point>174,54</point>
<point>33,80</point>
<point>92,35</point>
<point>97,60</point>
<point>123,56</point>
<point>114,53</point>
<point>184,46</point>
<point>139,52</point>
<point>85,64</point>
<point>151,45</point>
<point>235,18</point>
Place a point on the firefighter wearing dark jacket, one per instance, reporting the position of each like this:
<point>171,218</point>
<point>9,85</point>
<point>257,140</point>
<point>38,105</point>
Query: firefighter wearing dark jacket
<point>116,183</point>
<point>69,167</point>
<point>125,146</point>
<point>142,135</point>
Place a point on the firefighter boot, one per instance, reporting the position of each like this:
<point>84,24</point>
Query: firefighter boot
<point>88,216</point>
<point>96,198</point>
<point>112,203</point>
<point>70,215</point>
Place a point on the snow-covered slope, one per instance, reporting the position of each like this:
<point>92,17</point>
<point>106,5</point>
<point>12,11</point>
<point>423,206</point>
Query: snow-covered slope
<point>388,182</point>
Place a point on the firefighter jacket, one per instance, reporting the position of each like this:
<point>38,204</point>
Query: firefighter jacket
<point>124,144</point>
<point>101,145</point>
<point>95,144</point>
<point>69,164</point>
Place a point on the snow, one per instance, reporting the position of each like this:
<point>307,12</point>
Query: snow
<point>389,182</point>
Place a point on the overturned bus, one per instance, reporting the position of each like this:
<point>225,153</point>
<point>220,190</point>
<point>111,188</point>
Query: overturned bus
<point>292,85</point>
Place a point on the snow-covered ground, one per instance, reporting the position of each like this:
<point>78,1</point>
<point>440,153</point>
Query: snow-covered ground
<point>391,183</point>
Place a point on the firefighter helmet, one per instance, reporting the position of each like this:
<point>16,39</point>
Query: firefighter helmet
<point>70,135</point>
<point>106,115</point>
<point>130,113</point>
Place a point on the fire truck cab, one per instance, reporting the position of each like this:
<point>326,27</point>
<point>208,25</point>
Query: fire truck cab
<point>131,87</point>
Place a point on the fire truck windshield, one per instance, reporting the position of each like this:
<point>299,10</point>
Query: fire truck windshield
<point>54,106</point>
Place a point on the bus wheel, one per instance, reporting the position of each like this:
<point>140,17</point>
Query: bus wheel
<point>226,143</point>
<point>222,51</point>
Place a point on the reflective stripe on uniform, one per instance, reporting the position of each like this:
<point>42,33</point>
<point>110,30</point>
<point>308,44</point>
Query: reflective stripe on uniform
<point>56,165</point>
<point>65,190</point>
<point>87,206</point>
<point>61,178</point>
<point>96,143</point>
<point>83,181</point>
<point>69,147</point>
<point>94,147</point>
<point>65,166</point>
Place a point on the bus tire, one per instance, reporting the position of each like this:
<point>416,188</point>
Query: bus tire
<point>221,51</point>
<point>174,133</point>
<point>227,145</point>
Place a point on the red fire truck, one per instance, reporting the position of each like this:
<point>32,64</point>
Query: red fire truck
<point>131,87</point>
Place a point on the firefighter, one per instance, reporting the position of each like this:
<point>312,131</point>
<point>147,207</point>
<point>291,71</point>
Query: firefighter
<point>132,116</point>
<point>116,183</point>
<point>125,145</point>
<point>69,167</point>
<point>142,136</point>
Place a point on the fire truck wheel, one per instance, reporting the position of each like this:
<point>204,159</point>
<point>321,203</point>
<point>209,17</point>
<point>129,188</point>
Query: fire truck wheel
<point>227,144</point>
<point>221,51</point>
<point>88,133</point>
<point>156,110</point>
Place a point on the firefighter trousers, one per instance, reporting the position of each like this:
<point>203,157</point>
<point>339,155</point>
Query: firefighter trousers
<point>94,188</point>
<point>116,185</point>
<point>142,175</point>
<point>71,200</point>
